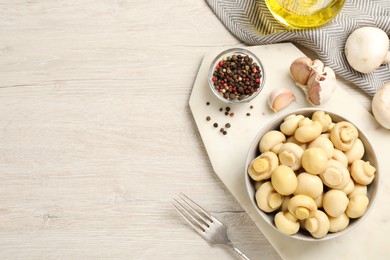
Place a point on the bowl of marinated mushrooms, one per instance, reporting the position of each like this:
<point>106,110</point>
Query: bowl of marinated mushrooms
<point>312,174</point>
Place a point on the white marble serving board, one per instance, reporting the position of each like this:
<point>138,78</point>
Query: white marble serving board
<point>228,153</point>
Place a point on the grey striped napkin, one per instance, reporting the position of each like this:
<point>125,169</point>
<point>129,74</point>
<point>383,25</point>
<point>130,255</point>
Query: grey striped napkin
<point>251,22</point>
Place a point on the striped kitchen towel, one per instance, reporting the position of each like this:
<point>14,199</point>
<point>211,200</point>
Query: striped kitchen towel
<point>251,22</point>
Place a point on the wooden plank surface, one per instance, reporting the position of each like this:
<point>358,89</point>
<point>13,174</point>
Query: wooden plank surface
<point>96,136</point>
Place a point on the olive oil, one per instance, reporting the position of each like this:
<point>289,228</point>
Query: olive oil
<point>304,14</point>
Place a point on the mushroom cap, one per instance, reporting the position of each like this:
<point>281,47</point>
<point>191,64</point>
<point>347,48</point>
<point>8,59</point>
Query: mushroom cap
<point>290,124</point>
<point>268,200</point>
<point>335,202</point>
<point>309,185</point>
<point>290,154</point>
<point>340,156</point>
<point>338,223</point>
<point>284,180</point>
<point>308,130</point>
<point>343,135</point>
<point>366,49</point>
<point>336,175</point>
<point>356,152</point>
<point>318,225</point>
<point>362,172</point>
<point>286,223</point>
<point>324,143</point>
<point>314,160</point>
<point>358,189</point>
<point>357,206</point>
<point>270,140</point>
<point>261,167</point>
<point>302,206</point>
<point>381,106</point>
<point>324,119</point>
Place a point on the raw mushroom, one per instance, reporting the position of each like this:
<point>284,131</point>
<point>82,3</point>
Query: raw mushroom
<point>308,130</point>
<point>381,106</point>
<point>290,154</point>
<point>286,223</point>
<point>309,185</point>
<point>338,223</point>
<point>336,176</point>
<point>290,124</point>
<point>324,119</point>
<point>357,206</point>
<point>314,160</point>
<point>324,143</point>
<point>343,135</point>
<point>362,172</point>
<point>261,167</point>
<point>284,180</point>
<point>268,200</point>
<point>335,202</point>
<point>366,49</point>
<point>271,140</point>
<point>318,225</point>
<point>340,156</point>
<point>356,152</point>
<point>302,206</point>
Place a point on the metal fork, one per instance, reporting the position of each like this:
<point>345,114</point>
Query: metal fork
<point>210,228</point>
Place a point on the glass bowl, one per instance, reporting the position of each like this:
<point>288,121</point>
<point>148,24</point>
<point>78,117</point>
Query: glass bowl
<point>236,80</point>
<point>369,155</point>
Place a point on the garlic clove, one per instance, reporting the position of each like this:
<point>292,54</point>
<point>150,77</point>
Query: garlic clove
<point>280,98</point>
<point>300,70</point>
<point>320,91</point>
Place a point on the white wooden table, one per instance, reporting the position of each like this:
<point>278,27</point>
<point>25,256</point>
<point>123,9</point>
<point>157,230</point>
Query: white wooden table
<point>96,135</point>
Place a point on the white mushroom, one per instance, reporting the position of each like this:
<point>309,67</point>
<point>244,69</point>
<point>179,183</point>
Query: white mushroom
<point>261,167</point>
<point>335,202</point>
<point>357,206</point>
<point>290,124</point>
<point>336,175</point>
<point>350,187</point>
<point>309,185</point>
<point>285,203</point>
<point>358,189</point>
<point>308,130</point>
<point>291,139</point>
<point>270,140</point>
<point>381,106</point>
<point>366,49</point>
<point>314,160</point>
<point>338,223</point>
<point>324,143</point>
<point>302,206</point>
<point>284,180</point>
<point>286,223</point>
<point>343,135</point>
<point>290,154</point>
<point>318,225</point>
<point>318,200</point>
<point>356,152</point>
<point>268,200</point>
<point>362,172</point>
<point>340,156</point>
<point>324,119</point>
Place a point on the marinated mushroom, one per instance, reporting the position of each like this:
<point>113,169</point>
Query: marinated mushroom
<point>318,225</point>
<point>291,139</point>
<point>285,203</point>
<point>290,124</point>
<point>284,180</point>
<point>286,223</point>
<point>268,200</point>
<point>261,167</point>
<point>358,189</point>
<point>338,223</point>
<point>343,135</point>
<point>340,156</point>
<point>362,172</point>
<point>290,154</point>
<point>336,176</point>
<point>270,140</point>
<point>309,185</point>
<point>356,152</point>
<point>324,143</point>
<point>308,130</point>
<point>335,202</point>
<point>324,119</point>
<point>350,187</point>
<point>302,206</point>
<point>357,206</point>
<point>314,160</point>
<point>318,200</point>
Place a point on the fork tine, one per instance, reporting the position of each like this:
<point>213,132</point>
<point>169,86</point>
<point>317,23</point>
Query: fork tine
<point>194,222</point>
<point>186,199</point>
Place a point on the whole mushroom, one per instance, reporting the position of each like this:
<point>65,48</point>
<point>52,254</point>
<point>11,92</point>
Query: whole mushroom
<point>302,206</point>
<point>318,225</point>
<point>335,202</point>
<point>284,180</point>
<point>271,141</point>
<point>381,106</point>
<point>261,167</point>
<point>290,154</point>
<point>268,200</point>
<point>286,222</point>
<point>366,49</point>
<point>338,223</point>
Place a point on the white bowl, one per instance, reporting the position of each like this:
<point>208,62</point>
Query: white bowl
<point>269,217</point>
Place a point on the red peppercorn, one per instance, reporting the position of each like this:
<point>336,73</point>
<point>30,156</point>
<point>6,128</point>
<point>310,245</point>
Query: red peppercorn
<point>214,79</point>
<point>257,80</point>
<point>220,63</point>
<point>254,70</point>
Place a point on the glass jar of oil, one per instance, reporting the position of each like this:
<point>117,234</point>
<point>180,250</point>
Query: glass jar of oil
<point>304,14</point>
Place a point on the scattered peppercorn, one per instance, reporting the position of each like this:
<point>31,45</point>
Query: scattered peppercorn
<point>248,114</point>
<point>207,103</point>
<point>227,109</point>
<point>208,118</point>
<point>221,109</point>
<point>236,77</point>
<point>227,125</point>
<point>221,130</point>
<point>226,113</point>
<point>231,114</point>
<point>251,107</point>
<point>224,132</point>
<point>215,125</point>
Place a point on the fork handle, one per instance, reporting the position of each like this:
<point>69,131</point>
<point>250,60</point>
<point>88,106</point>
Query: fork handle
<point>237,251</point>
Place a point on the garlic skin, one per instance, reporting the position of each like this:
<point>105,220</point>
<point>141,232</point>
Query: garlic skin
<point>280,98</point>
<point>320,83</point>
